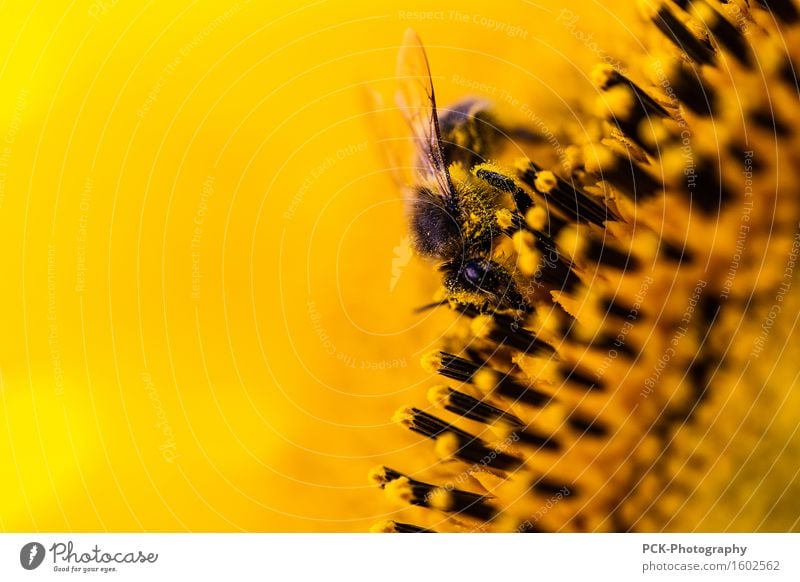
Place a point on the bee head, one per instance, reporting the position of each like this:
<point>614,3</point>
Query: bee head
<point>479,281</point>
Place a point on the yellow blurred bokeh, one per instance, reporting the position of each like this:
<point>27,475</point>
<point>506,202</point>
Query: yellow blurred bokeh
<point>208,310</point>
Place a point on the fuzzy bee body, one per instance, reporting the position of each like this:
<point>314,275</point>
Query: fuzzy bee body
<point>471,132</point>
<point>453,213</point>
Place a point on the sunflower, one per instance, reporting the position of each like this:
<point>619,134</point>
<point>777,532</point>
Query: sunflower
<point>636,370</point>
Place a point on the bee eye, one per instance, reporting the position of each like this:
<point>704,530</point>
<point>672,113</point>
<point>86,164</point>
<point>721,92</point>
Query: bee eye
<point>475,273</point>
<point>489,279</point>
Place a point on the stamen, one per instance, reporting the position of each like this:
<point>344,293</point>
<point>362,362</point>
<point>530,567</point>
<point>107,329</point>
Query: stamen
<point>576,376</point>
<point>672,253</point>
<point>467,447</point>
<point>726,34</point>
<point>598,252</point>
<point>637,119</point>
<point>457,368</point>
<point>610,306</point>
<point>480,411</point>
<point>588,428</point>
<point>674,30</point>
<point>469,407</point>
<point>490,380</point>
<point>547,486</point>
<point>770,122</point>
<point>784,10</point>
<point>408,490</point>
<point>690,88</point>
<point>708,192</point>
<point>505,330</point>
<point>623,172</point>
<point>576,204</point>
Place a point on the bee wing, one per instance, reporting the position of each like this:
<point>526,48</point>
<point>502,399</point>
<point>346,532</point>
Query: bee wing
<point>416,99</point>
<point>384,128</point>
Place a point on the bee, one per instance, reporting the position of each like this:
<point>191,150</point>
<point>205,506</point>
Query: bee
<point>452,213</point>
<point>462,205</point>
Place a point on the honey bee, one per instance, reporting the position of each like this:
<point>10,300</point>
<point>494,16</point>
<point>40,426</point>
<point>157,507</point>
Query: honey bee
<point>452,213</point>
<point>460,206</point>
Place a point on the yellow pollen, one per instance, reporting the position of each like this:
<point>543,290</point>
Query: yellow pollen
<point>616,103</point>
<point>485,379</point>
<point>482,326</point>
<point>431,362</point>
<point>399,490</point>
<point>377,475</point>
<point>439,395</point>
<point>441,499</point>
<point>601,74</point>
<point>504,218</point>
<point>446,446</point>
<point>404,416</point>
<point>536,217</point>
<point>546,181</point>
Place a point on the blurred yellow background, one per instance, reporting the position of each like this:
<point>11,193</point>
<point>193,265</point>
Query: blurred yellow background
<point>201,330</point>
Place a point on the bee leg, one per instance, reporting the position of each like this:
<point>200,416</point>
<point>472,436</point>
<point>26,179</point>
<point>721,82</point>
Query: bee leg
<point>507,184</point>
